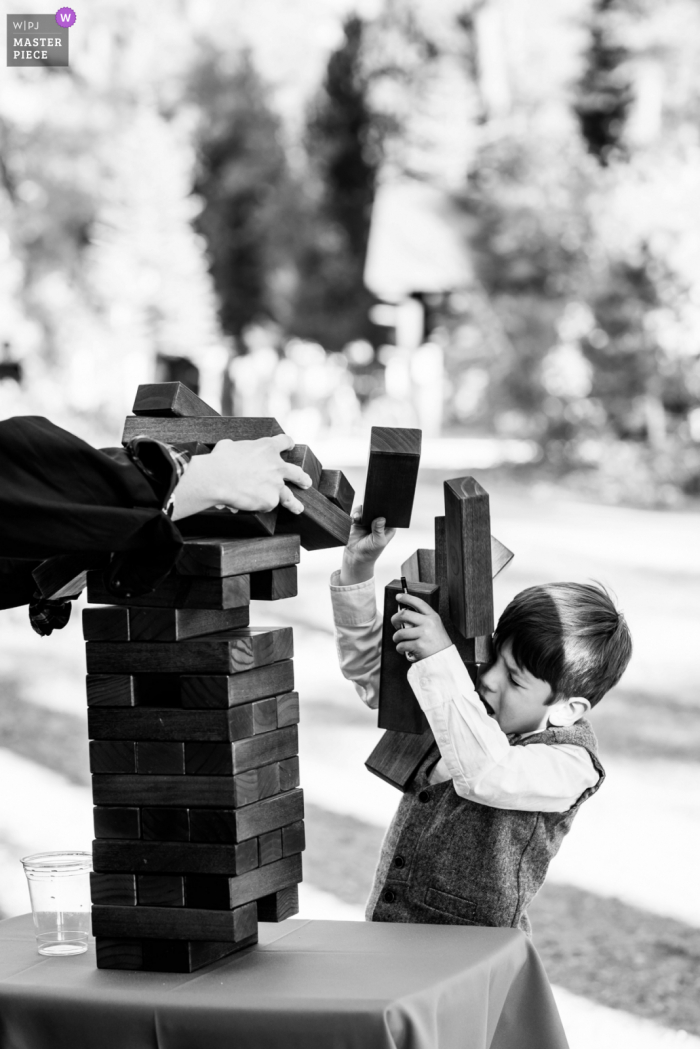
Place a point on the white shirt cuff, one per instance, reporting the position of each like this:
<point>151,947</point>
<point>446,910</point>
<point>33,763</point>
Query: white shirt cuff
<point>353,605</point>
<point>438,676</point>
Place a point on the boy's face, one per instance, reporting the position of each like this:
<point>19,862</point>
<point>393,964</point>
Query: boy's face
<point>515,697</point>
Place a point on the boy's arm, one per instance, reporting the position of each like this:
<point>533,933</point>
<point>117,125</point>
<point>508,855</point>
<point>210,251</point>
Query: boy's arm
<point>477,754</point>
<point>358,627</point>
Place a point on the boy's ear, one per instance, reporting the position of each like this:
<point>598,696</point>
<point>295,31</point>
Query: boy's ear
<point>568,711</point>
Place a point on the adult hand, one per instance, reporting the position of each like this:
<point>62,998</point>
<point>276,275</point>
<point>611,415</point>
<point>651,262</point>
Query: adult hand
<point>244,475</point>
<point>363,548</point>
<point>419,629</point>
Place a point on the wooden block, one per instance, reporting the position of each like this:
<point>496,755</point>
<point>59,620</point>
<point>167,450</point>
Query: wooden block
<point>228,759</point>
<point>392,473</point>
<point>106,624</point>
<point>500,556</point>
<point>176,591</point>
<point>264,715</point>
<point>172,725</point>
<point>110,690</point>
<point>274,585</point>
<point>336,487</point>
<point>293,838</point>
<point>200,693</point>
<point>213,792</point>
<point>465,646</point>
<point>178,624</point>
<point>65,575</point>
<point>170,399</point>
<point>469,573</point>
<point>279,906</point>
<point>224,524</point>
<point>118,890</point>
<point>227,653</point>
<point>160,759</point>
<point>167,956</point>
<point>160,890</point>
<point>165,824</point>
<point>232,557</point>
<point>289,773</point>
<point>322,524</point>
<point>220,893</point>
<point>155,857</point>
<point>234,825</point>
<point>185,924</point>
<point>399,709</point>
<point>287,709</point>
<point>398,756</point>
<point>207,430</point>
<point>420,567</point>
<point>270,847</point>
<point>302,456</point>
<point>112,757</point>
<point>115,821</point>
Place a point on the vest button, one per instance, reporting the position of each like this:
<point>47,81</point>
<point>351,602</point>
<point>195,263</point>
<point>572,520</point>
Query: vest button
<point>399,861</point>
<point>424,796</point>
<point>389,896</point>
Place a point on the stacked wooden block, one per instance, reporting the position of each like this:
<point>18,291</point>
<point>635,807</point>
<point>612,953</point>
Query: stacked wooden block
<point>192,717</point>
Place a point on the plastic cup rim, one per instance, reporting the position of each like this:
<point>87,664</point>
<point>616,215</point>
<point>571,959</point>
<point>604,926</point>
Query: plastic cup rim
<point>63,861</point>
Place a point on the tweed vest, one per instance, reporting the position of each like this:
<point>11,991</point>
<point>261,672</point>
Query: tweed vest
<point>447,860</point>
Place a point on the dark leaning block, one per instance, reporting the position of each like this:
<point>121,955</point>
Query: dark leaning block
<point>392,474</point>
<point>398,755</point>
<point>170,399</point>
<point>216,792</point>
<point>399,709</point>
<point>206,430</point>
<point>177,591</point>
<point>188,923</point>
<point>116,822</point>
<point>320,526</point>
<point>119,890</point>
<point>275,584</point>
<point>223,893</point>
<point>420,567</point>
<point>201,692</point>
<point>336,487</point>
<point>232,557</point>
<point>469,573</point>
<point>279,906</point>
<point>235,825</point>
<point>228,759</point>
<point>227,653</point>
<point>301,455</point>
<point>165,956</point>
<point>145,857</point>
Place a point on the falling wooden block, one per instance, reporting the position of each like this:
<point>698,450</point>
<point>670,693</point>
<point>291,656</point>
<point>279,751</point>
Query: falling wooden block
<point>155,857</point>
<point>187,923</point>
<point>398,756</point>
<point>223,523</point>
<point>160,890</point>
<point>118,623</point>
<point>226,653</point>
<point>117,822</point>
<point>469,573</point>
<point>202,692</point>
<point>228,759</point>
<point>176,591</point>
<point>420,567</point>
<point>279,906</point>
<point>322,524</point>
<point>119,890</point>
<point>167,399</point>
<point>112,757</point>
<point>165,824</point>
<point>217,792</point>
<point>399,709</point>
<point>219,893</point>
<point>234,825</point>
<point>392,474</point>
<point>231,557</point>
<point>302,456</point>
<point>208,431</point>
<point>336,487</point>
<point>275,584</point>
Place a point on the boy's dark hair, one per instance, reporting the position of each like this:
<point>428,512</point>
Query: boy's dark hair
<point>570,635</point>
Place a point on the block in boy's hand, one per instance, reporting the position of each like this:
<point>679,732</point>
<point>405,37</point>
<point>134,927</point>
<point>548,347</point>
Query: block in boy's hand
<point>398,707</point>
<point>468,543</point>
<point>392,473</point>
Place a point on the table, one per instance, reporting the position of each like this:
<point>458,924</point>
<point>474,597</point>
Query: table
<point>306,985</point>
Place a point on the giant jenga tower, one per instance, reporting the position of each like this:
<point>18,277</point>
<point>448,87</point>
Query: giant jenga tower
<point>192,716</point>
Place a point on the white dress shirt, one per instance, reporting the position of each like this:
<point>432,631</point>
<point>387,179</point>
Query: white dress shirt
<point>474,752</point>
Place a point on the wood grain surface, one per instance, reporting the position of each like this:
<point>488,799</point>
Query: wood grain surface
<point>398,756</point>
<point>302,456</point>
<point>170,399</point>
<point>469,572</point>
<point>275,584</point>
<point>191,791</point>
<point>149,857</point>
<point>392,474</point>
<point>234,892</point>
<point>336,487</point>
<point>420,567</point>
<point>232,557</point>
<point>279,906</point>
<point>235,825</point>
<point>166,956</point>
<point>118,623</point>
<point>224,524</point>
<point>177,591</point>
<point>201,692</point>
<point>399,709</point>
<point>207,430</point>
<point>146,723</point>
<point>186,923</point>
<point>322,524</point>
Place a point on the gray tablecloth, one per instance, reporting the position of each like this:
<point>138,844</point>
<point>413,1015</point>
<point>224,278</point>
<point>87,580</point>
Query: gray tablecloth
<point>306,985</point>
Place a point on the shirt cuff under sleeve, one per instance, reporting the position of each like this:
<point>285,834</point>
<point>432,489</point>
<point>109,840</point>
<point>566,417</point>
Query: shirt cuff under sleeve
<point>439,676</point>
<point>353,605</point>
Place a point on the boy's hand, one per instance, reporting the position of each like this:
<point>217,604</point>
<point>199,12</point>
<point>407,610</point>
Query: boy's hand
<point>363,549</point>
<point>419,628</point>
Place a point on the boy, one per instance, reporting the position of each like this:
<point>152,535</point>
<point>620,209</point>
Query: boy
<point>473,836</point>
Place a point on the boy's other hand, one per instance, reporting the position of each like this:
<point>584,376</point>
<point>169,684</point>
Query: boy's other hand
<point>364,547</point>
<point>420,630</point>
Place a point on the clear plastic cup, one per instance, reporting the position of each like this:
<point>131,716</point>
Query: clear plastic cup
<point>59,888</point>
